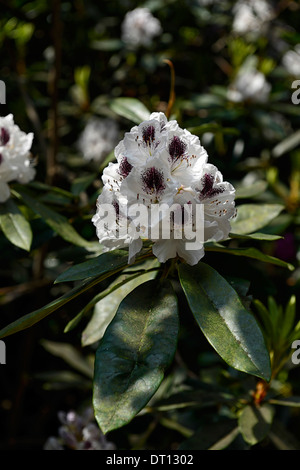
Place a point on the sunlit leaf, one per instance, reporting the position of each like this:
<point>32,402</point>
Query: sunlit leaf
<point>252,217</point>
<point>243,192</point>
<point>255,422</point>
<point>249,253</point>
<point>130,108</point>
<point>14,225</point>
<point>106,308</point>
<point>228,326</point>
<point>137,346</point>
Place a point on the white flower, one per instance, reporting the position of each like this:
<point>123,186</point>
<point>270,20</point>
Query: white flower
<point>15,157</point>
<point>249,85</point>
<point>162,189</point>
<point>251,16</point>
<point>140,27</point>
<point>98,138</point>
<point>291,61</point>
<point>78,432</point>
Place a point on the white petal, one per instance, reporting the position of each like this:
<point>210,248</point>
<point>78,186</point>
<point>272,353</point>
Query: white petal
<point>134,248</point>
<point>4,191</point>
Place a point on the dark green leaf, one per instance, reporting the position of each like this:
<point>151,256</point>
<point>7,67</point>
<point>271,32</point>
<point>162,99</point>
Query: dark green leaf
<point>107,306</point>
<point>82,183</point>
<point>209,435</point>
<point>111,261</point>
<point>249,253</point>
<point>289,317</point>
<point>255,422</point>
<point>34,317</point>
<point>106,262</point>
<point>137,346</point>
<point>57,222</point>
<point>213,128</point>
<point>14,225</point>
<point>106,44</point>
<point>228,326</point>
<point>265,319</point>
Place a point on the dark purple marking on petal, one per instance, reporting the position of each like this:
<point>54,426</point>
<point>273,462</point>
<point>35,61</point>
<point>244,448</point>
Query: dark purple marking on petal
<point>177,148</point>
<point>125,167</point>
<point>1,158</point>
<point>149,135</point>
<point>153,181</point>
<point>208,189</point>
<point>117,208</point>
<point>4,136</point>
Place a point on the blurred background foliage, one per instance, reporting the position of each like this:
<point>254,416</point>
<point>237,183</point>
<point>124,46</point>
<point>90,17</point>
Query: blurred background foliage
<point>64,62</point>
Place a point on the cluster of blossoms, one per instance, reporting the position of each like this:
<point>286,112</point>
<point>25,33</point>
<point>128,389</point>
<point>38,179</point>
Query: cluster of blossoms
<point>98,138</point>
<point>140,27</point>
<point>291,61</point>
<point>15,157</point>
<point>161,167</point>
<point>251,16</point>
<point>249,85</point>
<point>78,432</point>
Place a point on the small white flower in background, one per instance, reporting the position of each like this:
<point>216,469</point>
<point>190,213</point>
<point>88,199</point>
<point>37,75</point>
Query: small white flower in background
<point>161,166</point>
<point>249,85</point>
<point>291,61</point>
<point>15,158</point>
<point>140,27</point>
<point>78,432</point>
<point>251,16</point>
<point>98,138</point>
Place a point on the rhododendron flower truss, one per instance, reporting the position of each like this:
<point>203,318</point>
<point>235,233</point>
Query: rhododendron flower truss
<point>163,189</point>
<point>15,159</point>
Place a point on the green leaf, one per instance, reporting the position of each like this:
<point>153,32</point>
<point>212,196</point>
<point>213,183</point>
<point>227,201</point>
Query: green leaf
<point>256,236</point>
<point>82,183</point>
<point>287,144</point>
<point>70,355</point>
<point>265,320</point>
<point>34,317</point>
<point>253,217</point>
<point>288,401</point>
<point>228,326</point>
<point>289,317</point>
<point>106,44</point>
<point>245,192</point>
<point>56,221</point>
<point>213,128</point>
<point>112,261</point>
<point>137,347</point>
<point>255,422</point>
<point>249,253</point>
<point>212,437</point>
<point>14,225</point>
<point>106,308</point>
<point>109,261</point>
<point>130,108</point>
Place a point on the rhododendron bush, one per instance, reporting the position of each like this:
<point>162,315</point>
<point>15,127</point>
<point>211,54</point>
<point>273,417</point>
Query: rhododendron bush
<point>149,226</point>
